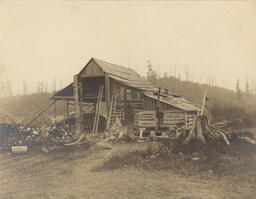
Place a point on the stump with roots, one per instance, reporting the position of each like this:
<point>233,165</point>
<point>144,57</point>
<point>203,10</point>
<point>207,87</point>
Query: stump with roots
<point>204,132</point>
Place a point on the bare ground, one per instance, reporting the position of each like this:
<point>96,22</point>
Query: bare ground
<point>72,175</point>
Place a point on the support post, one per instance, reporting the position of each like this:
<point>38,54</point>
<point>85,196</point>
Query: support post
<point>107,91</point>
<point>64,115</point>
<point>54,115</point>
<point>77,105</point>
<point>157,110</point>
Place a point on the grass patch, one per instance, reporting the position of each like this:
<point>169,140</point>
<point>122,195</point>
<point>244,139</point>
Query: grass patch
<point>237,161</point>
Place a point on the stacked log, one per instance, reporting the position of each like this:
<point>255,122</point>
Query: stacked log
<point>174,118</point>
<point>146,119</point>
<point>190,120</point>
<point>221,124</point>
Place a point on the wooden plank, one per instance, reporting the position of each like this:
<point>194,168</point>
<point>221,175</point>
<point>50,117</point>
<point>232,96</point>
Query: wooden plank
<point>38,114</point>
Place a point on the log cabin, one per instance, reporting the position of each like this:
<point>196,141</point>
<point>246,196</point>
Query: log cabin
<point>101,90</point>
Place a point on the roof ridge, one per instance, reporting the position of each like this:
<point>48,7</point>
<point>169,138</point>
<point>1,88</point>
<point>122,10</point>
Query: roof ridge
<point>113,64</point>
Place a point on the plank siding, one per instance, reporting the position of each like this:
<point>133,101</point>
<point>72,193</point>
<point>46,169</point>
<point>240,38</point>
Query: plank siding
<point>92,69</point>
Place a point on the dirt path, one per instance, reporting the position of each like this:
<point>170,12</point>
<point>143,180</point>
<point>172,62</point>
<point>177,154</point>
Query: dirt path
<point>70,175</point>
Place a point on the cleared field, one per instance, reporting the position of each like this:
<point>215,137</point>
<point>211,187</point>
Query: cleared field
<point>72,175</point>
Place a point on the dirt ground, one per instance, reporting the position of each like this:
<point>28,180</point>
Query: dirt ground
<point>72,175</point>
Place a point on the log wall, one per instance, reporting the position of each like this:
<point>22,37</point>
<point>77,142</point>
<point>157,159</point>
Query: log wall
<point>173,118</point>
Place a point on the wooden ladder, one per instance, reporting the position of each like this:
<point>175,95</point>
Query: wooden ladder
<point>32,117</point>
<point>97,110</point>
<point>112,112</point>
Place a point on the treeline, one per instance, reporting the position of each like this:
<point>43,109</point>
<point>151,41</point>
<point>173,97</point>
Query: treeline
<point>16,108</point>
<point>223,103</point>
<point>27,88</point>
<point>42,87</point>
<point>5,85</point>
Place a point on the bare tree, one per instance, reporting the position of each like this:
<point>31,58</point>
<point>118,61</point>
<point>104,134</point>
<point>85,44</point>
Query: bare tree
<point>238,90</point>
<point>247,93</point>
<point>25,90</point>
<point>187,74</point>
<point>54,85</point>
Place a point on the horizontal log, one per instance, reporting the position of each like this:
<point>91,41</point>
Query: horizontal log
<point>174,111</point>
<point>176,123</point>
<point>151,118</point>
<point>172,115</point>
<point>147,112</point>
<point>146,122</point>
<point>141,119</point>
<point>173,119</point>
<point>146,116</point>
<point>146,126</point>
<point>169,126</point>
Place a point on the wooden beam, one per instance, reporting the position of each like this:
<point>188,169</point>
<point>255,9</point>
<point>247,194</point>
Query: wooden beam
<point>77,105</point>
<point>38,114</point>
<point>67,114</point>
<point>157,110</point>
<point>107,91</point>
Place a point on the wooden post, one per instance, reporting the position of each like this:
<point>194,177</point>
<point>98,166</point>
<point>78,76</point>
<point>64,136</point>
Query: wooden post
<point>203,104</point>
<point>54,111</point>
<point>77,105</point>
<point>67,114</point>
<point>157,110</point>
<point>107,91</point>
<point>186,120</point>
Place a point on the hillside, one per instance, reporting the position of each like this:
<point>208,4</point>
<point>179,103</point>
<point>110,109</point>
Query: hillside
<point>223,103</point>
<point>21,106</point>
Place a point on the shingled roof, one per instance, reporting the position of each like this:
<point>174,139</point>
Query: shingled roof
<point>177,102</point>
<point>125,75</point>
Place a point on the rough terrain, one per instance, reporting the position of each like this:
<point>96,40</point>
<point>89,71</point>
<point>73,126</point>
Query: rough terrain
<point>72,175</point>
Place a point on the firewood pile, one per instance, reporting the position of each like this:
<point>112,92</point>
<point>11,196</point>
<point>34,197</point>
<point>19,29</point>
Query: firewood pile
<point>13,136</point>
<point>205,133</point>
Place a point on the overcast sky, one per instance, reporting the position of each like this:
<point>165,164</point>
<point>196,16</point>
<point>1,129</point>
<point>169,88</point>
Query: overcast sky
<point>43,40</point>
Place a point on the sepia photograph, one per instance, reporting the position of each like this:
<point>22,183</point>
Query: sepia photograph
<point>140,99</point>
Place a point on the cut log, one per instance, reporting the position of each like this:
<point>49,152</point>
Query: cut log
<point>75,142</point>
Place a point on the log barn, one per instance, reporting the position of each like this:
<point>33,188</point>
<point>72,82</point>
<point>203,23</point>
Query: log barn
<point>102,92</point>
